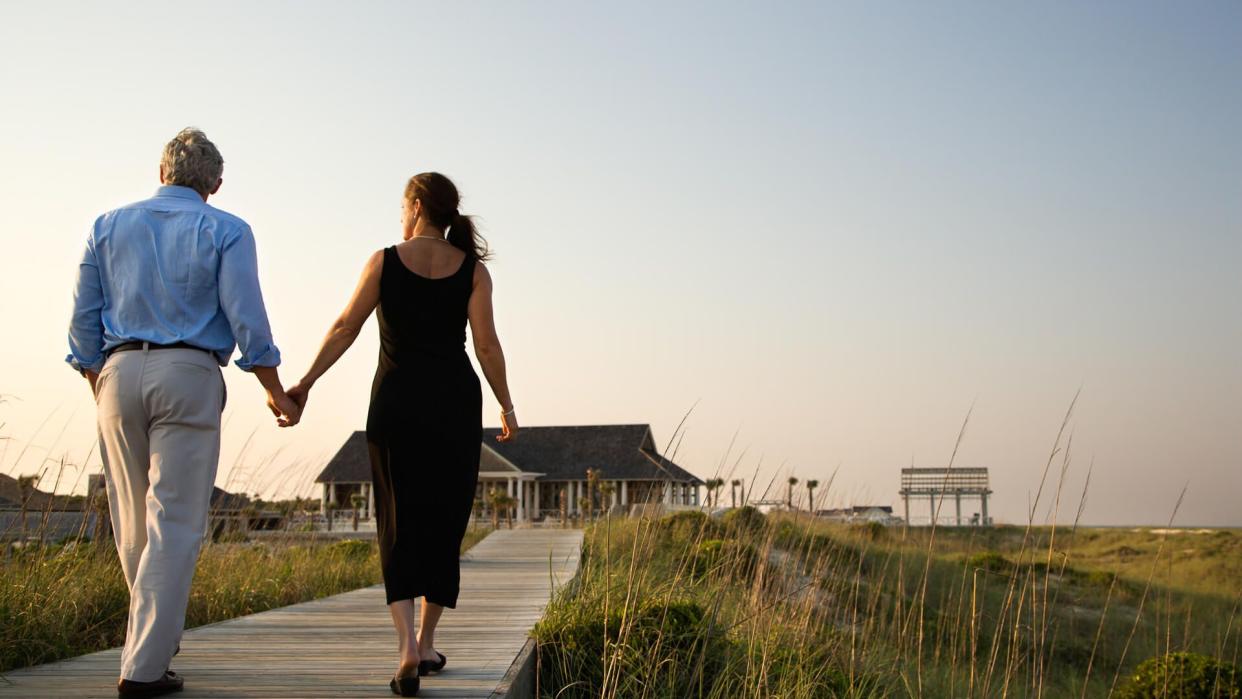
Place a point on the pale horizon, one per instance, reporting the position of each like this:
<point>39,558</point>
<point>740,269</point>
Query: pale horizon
<point>833,239</point>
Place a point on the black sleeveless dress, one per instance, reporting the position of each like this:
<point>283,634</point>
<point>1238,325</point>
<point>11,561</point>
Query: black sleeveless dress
<point>424,430</point>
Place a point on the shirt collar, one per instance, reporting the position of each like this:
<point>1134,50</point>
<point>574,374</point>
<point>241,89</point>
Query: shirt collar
<point>178,192</point>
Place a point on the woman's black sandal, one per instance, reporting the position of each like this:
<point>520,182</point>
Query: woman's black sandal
<point>404,686</point>
<point>426,667</point>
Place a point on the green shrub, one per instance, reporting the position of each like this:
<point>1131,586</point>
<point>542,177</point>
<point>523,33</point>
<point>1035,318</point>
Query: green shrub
<point>1183,676</point>
<point>990,561</point>
<point>673,645</point>
<point>732,558</point>
<point>682,527</point>
<point>351,549</point>
<point>872,531</point>
<point>745,520</point>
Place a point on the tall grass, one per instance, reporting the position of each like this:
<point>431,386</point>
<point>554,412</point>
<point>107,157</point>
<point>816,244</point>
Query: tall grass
<point>58,601</point>
<point>786,605</point>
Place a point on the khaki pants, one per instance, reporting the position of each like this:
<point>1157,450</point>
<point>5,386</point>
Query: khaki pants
<point>159,434</point>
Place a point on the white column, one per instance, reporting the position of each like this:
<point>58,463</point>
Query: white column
<point>573,497</point>
<point>509,487</point>
<point>668,492</point>
<point>521,498</point>
<point>625,496</point>
<point>614,494</point>
<point>371,500</point>
<point>538,506</point>
<point>323,500</point>
<point>696,495</point>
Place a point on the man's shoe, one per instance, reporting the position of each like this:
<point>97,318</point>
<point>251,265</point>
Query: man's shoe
<point>167,684</point>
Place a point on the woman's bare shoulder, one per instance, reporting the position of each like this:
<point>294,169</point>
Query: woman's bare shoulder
<point>376,259</point>
<point>481,273</point>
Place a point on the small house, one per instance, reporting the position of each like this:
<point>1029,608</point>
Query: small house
<point>540,467</point>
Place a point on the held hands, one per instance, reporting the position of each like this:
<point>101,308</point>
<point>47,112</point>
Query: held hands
<point>286,410</point>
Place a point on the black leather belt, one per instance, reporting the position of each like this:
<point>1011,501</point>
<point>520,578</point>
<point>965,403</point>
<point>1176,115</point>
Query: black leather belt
<point>127,346</point>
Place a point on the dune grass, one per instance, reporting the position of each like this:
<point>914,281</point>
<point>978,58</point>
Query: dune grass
<point>59,601</point>
<point>786,605</point>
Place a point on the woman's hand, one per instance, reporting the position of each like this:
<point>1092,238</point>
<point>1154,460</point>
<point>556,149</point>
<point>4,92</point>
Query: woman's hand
<point>300,393</point>
<point>508,426</point>
<point>286,410</point>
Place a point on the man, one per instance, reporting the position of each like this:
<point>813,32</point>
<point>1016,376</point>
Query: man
<point>166,288</point>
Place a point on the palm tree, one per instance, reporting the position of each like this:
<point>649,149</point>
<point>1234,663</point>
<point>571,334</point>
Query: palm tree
<point>26,486</point>
<point>733,491</point>
<point>583,503</point>
<point>329,513</point>
<point>356,500</point>
<point>606,489</point>
<point>789,500</point>
<point>477,509</point>
<point>810,495</point>
<point>592,483</point>
<point>495,499</point>
<point>508,502</point>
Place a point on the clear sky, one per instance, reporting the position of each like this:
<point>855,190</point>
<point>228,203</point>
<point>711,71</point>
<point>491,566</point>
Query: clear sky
<point>831,229</point>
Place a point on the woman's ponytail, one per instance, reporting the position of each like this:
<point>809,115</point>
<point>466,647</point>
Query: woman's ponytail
<point>463,234</point>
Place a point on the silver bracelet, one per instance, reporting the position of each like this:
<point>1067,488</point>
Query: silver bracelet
<point>510,411</point>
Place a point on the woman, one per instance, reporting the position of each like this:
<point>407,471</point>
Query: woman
<point>423,428</point>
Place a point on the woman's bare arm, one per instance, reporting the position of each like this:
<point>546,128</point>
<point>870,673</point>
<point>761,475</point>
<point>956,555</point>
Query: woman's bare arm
<point>346,328</point>
<point>488,351</point>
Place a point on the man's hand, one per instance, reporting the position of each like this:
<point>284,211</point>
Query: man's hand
<point>287,412</point>
<point>92,377</point>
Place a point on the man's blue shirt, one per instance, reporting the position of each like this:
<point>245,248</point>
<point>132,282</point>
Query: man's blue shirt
<point>170,269</point>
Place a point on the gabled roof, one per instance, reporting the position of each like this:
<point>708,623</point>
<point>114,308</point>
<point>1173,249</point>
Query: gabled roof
<point>489,460</point>
<point>224,500</point>
<point>351,464</point>
<point>11,495</point>
<point>620,452</point>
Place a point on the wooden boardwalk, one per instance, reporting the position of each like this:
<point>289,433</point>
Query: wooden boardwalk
<point>344,645</point>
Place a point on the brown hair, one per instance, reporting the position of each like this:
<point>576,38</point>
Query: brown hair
<point>440,201</point>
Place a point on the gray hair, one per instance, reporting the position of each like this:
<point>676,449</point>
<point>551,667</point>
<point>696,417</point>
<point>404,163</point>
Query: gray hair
<point>190,160</point>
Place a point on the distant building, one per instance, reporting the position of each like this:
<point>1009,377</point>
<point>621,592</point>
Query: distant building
<point>938,485</point>
<point>96,485</point>
<point>540,465</point>
<point>860,513</point>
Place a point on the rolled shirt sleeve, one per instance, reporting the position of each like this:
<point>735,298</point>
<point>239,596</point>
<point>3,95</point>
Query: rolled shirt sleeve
<point>86,327</point>
<point>242,302</point>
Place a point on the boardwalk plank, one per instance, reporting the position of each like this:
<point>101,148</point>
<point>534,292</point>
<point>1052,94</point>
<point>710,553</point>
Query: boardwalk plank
<point>344,645</point>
